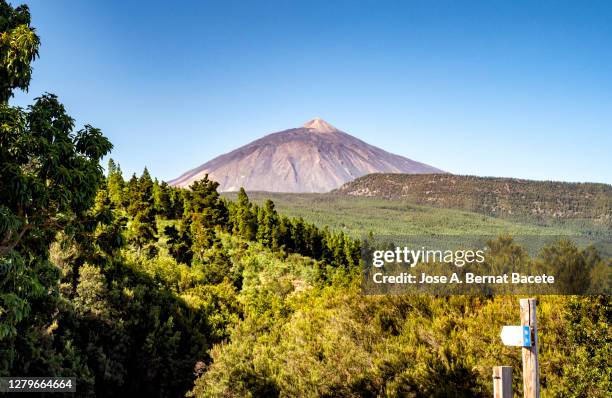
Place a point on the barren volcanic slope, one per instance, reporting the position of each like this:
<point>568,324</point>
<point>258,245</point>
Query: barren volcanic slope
<point>316,157</point>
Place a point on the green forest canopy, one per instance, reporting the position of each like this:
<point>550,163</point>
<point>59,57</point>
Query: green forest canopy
<point>140,289</point>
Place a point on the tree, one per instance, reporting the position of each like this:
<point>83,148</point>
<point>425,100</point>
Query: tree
<point>49,176</point>
<point>298,235</point>
<point>177,199</point>
<point>115,183</point>
<point>145,190</point>
<point>179,244</point>
<point>163,204</point>
<point>142,228</point>
<point>244,220</point>
<point>202,235</point>
<point>204,210</point>
<point>587,370</point>
<point>267,224</point>
<point>205,200</point>
<point>48,181</point>
<point>96,240</point>
<point>217,264</point>
<point>569,265</point>
<point>18,48</point>
<point>131,194</point>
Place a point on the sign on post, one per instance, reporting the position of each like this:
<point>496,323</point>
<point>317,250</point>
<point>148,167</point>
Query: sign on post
<point>526,336</point>
<point>516,336</point>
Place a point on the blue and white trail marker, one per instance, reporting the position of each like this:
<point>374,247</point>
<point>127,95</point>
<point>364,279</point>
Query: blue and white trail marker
<point>517,336</point>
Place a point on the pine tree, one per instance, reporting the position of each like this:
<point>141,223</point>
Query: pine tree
<point>163,204</point>
<point>217,264</point>
<point>145,189</point>
<point>267,228</point>
<point>142,228</point>
<point>179,244</point>
<point>298,236</point>
<point>155,195</point>
<point>131,196</point>
<point>202,235</point>
<point>115,184</point>
<point>205,200</point>
<point>244,220</point>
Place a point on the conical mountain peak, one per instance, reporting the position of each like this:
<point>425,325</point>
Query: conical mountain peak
<point>320,126</point>
<point>314,158</point>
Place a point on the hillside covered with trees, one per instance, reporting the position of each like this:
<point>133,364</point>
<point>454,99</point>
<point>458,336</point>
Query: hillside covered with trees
<point>500,197</point>
<point>140,289</point>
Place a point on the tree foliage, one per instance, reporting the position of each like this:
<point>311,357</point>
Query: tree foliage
<point>18,48</point>
<point>234,299</point>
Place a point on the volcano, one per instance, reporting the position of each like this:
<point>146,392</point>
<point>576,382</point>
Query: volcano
<point>316,157</point>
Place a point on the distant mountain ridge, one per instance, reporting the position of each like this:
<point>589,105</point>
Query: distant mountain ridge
<point>316,157</point>
<point>491,195</point>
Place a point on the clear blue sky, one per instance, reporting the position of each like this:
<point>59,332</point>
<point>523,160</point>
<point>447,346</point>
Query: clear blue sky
<point>519,89</point>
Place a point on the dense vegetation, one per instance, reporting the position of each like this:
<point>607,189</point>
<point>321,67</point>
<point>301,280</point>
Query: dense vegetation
<point>147,303</point>
<point>399,220</point>
<point>140,289</point>
<point>500,197</point>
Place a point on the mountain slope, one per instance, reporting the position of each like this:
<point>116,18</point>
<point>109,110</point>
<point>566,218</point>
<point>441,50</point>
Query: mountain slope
<point>491,196</point>
<point>316,157</point>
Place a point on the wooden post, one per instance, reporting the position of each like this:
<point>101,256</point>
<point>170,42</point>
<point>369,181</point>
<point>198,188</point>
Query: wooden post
<point>502,382</point>
<point>531,370</point>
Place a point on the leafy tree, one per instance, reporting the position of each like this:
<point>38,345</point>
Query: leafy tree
<point>96,240</point>
<point>18,48</point>
<point>49,179</point>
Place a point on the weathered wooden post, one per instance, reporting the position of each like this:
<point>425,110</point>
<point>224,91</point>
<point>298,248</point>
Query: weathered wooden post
<point>502,382</point>
<point>531,368</point>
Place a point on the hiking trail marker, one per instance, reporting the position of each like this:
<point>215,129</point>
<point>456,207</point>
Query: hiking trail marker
<point>516,336</point>
<point>525,336</point>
